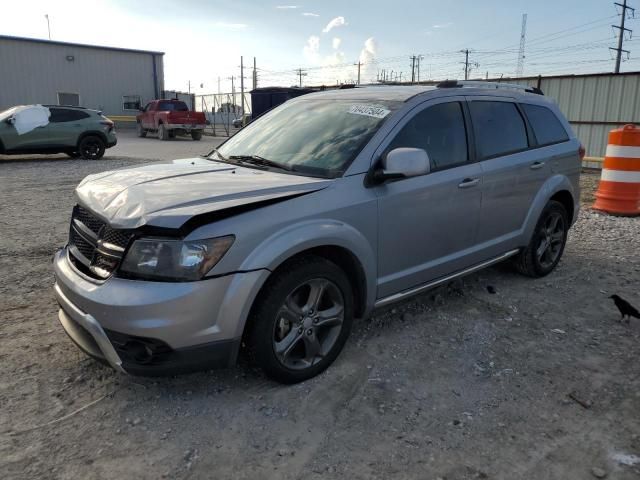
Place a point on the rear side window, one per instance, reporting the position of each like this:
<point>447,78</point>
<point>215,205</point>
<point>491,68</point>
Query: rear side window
<point>173,107</point>
<point>546,126</point>
<point>499,128</point>
<point>440,131</point>
<point>60,115</point>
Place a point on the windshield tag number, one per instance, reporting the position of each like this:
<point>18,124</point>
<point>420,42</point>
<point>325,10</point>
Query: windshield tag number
<point>375,111</point>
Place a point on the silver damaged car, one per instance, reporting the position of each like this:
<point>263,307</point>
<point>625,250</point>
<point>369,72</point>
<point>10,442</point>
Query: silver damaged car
<point>319,211</point>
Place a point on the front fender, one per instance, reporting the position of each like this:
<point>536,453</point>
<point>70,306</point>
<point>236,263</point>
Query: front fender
<point>284,244</point>
<point>553,185</point>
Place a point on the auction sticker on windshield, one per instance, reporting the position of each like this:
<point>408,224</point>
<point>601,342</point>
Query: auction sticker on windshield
<point>375,111</point>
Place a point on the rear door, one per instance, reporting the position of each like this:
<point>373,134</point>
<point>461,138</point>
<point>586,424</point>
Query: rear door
<point>65,126</point>
<point>427,225</point>
<point>512,172</point>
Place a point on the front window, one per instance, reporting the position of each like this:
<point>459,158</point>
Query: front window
<point>314,137</point>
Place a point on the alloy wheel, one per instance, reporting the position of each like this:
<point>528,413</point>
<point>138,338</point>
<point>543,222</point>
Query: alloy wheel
<point>308,323</point>
<point>551,235</point>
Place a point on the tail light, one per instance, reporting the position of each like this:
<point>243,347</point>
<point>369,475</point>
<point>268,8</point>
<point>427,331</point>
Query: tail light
<point>107,123</point>
<point>582,152</point>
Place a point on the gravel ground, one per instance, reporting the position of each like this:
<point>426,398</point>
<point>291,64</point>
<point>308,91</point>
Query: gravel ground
<point>536,381</point>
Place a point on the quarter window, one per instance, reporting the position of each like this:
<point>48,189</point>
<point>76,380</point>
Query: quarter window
<point>131,102</point>
<point>546,126</point>
<point>499,128</point>
<point>440,131</point>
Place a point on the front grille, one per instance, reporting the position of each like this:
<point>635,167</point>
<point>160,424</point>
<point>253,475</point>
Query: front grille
<point>95,248</point>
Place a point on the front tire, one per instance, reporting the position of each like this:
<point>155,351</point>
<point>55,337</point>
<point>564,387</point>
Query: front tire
<point>163,133</point>
<point>140,130</point>
<point>547,243</point>
<point>301,320</point>
<point>91,147</point>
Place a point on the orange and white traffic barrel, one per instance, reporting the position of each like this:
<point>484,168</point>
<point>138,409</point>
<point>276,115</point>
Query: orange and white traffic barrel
<point>619,189</point>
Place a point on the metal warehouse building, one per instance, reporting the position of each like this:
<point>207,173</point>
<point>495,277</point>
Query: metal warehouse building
<point>114,80</point>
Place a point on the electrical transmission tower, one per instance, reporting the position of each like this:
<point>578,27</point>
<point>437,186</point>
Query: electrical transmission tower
<point>523,34</point>
<point>621,29</point>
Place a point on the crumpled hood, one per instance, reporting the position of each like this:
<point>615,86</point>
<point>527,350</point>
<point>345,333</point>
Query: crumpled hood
<point>169,194</point>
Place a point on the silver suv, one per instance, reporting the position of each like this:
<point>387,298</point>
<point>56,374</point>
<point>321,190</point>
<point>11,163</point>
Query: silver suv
<point>323,209</point>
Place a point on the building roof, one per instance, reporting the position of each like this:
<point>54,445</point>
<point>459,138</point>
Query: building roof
<point>83,45</point>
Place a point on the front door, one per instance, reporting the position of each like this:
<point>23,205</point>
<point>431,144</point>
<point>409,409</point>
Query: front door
<point>427,225</point>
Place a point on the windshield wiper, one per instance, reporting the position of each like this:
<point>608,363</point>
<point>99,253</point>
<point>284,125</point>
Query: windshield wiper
<point>258,160</point>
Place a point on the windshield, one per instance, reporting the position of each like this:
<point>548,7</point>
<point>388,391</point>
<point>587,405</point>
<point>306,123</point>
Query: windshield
<point>7,113</point>
<point>315,137</point>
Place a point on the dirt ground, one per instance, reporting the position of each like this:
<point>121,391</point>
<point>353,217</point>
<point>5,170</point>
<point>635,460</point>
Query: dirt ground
<point>536,381</point>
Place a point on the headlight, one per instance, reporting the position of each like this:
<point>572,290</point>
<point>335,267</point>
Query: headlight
<point>167,259</point>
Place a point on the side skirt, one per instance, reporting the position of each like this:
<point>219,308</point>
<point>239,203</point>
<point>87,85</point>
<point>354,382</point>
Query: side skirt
<point>396,297</point>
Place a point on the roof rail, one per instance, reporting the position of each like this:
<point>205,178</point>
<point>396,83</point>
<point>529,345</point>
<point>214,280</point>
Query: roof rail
<point>492,85</point>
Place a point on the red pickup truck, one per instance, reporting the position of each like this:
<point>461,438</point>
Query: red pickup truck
<point>169,118</point>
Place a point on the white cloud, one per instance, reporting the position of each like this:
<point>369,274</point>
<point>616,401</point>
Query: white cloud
<point>336,58</point>
<point>368,57</point>
<point>287,7</point>
<point>442,25</point>
<point>336,43</point>
<point>232,26</point>
<point>312,48</point>
<point>336,22</point>
<point>310,14</point>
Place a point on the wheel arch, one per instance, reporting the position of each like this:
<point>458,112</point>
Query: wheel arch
<point>557,188</point>
<point>92,133</point>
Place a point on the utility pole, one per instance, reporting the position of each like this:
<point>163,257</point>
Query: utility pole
<point>523,34</point>
<point>413,68</point>
<point>219,86</point>
<point>358,64</point>
<point>255,74</point>
<point>621,30</point>
<point>418,58</point>
<point>242,88</point>
<point>301,73</point>
<point>233,90</point>
<point>189,87</point>
<point>48,25</point>
<point>467,64</point>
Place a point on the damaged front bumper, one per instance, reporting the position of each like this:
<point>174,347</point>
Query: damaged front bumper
<point>155,328</point>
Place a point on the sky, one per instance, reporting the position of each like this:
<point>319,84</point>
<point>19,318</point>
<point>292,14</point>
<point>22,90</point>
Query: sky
<point>204,40</point>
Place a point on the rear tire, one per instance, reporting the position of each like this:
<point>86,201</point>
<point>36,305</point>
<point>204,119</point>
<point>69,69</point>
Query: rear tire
<point>301,320</point>
<point>163,133</point>
<point>547,243</point>
<point>91,147</point>
<point>140,130</point>
<point>196,134</point>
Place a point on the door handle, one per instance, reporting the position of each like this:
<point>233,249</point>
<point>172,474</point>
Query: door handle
<point>469,182</point>
<point>536,165</point>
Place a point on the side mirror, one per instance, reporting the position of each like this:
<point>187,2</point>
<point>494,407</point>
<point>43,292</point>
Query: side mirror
<point>403,163</point>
